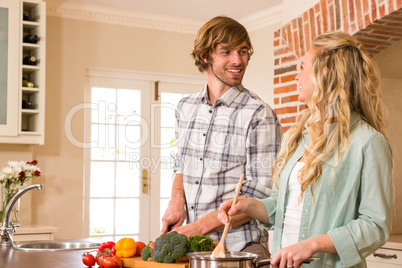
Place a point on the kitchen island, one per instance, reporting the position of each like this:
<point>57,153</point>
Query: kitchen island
<point>17,258</point>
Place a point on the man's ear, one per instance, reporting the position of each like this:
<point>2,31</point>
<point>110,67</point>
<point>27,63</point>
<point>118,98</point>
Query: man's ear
<point>204,58</point>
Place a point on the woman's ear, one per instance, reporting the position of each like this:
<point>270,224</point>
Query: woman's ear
<point>326,71</point>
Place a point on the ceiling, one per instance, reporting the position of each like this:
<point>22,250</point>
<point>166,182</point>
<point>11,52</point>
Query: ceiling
<point>188,9</point>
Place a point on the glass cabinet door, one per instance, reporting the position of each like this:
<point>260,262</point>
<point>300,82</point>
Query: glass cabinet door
<point>9,56</point>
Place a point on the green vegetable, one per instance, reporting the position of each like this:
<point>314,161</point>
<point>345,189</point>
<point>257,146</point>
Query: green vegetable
<point>200,243</point>
<point>146,252</point>
<point>169,247</point>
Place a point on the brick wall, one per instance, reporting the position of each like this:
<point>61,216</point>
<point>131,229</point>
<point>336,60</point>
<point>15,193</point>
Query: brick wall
<point>376,23</point>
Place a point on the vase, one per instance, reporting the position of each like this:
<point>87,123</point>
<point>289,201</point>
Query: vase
<point>6,196</point>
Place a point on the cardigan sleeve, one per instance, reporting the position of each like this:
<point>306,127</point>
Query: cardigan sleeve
<point>360,237</point>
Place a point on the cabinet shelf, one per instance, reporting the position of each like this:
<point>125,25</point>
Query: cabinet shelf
<point>29,111</point>
<point>30,68</point>
<point>30,89</point>
<point>30,25</point>
<point>26,107</point>
<point>29,46</point>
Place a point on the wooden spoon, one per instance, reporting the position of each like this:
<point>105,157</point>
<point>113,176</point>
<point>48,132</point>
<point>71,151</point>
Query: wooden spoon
<point>219,250</point>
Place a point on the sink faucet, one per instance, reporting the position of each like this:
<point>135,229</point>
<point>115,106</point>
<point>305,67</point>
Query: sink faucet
<point>8,228</point>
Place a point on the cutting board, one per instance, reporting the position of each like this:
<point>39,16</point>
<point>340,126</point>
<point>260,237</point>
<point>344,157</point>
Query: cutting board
<point>137,262</point>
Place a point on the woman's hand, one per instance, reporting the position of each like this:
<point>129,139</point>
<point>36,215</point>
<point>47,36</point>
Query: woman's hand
<point>292,256</point>
<point>251,207</point>
<point>225,210</point>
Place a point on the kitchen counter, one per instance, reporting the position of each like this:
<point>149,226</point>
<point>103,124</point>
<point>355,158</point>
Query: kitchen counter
<point>35,229</point>
<point>35,232</point>
<point>14,258</point>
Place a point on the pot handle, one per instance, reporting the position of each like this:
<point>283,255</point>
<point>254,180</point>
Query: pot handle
<point>262,263</point>
<point>268,261</point>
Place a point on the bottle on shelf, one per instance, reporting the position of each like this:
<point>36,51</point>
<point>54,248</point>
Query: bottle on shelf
<point>27,104</point>
<point>26,83</point>
<point>29,60</point>
<point>31,38</point>
<point>26,15</point>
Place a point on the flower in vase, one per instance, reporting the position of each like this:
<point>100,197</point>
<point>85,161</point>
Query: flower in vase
<point>13,176</point>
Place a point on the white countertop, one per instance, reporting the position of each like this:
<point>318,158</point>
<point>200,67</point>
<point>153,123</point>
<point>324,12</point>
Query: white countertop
<point>35,229</point>
<point>394,242</point>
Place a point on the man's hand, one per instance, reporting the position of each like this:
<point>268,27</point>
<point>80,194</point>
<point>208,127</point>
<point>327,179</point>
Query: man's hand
<point>188,229</point>
<point>174,215</point>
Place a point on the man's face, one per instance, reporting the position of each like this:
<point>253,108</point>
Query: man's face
<point>228,65</point>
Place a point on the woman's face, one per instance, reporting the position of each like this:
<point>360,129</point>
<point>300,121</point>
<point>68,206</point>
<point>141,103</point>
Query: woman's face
<point>303,77</point>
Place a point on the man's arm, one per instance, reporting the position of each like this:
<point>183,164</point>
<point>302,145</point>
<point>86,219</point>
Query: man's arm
<point>210,224</point>
<point>262,144</point>
<point>175,214</point>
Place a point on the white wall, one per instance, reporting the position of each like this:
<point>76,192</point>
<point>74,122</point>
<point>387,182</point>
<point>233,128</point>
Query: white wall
<point>392,95</point>
<point>389,62</point>
<point>293,9</point>
<point>259,76</point>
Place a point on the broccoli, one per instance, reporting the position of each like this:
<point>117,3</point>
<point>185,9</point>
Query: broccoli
<point>146,252</point>
<point>169,247</point>
<point>200,243</point>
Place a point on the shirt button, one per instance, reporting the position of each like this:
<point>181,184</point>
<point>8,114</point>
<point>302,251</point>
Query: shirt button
<point>192,207</point>
<point>303,235</point>
<point>210,111</point>
<point>306,210</point>
<point>204,134</point>
<point>200,159</point>
<point>197,182</point>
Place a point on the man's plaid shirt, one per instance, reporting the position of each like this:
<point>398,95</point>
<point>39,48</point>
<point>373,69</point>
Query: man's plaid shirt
<point>216,144</point>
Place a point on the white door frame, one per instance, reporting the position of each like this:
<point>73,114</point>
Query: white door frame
<point>151,77</point>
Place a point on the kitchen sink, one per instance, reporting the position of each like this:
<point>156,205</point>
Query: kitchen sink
<point>54,245</point>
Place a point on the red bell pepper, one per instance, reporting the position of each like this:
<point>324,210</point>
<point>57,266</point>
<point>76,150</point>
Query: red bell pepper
<point>107,247</point>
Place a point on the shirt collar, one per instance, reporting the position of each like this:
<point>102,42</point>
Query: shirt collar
<point>354,118</point>
<point>226,98</point>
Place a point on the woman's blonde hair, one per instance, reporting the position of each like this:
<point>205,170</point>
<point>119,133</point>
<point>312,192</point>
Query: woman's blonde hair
<point>218,30</point>
<point>344,79</point>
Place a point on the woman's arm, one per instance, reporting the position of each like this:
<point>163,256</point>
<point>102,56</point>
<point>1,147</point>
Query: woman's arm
<point>251,207</point>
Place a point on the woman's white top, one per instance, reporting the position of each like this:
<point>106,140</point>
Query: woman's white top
<point>293,213</point>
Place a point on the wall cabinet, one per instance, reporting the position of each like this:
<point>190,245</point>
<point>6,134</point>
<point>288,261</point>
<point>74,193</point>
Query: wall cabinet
<point>23,40</point>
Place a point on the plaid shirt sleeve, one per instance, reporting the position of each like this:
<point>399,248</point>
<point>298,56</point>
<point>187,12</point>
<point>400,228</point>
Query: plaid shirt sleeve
<point>262,145</point>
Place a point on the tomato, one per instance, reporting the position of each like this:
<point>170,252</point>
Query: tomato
<point>89,260</point>
<point>100,258</point>
<point>119,262</point>
<point>139,247</point>
<point>109,262</point>
<point>151,246</point>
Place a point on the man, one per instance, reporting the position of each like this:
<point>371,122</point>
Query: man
<point>222,131</point>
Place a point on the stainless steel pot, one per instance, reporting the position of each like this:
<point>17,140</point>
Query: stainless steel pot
<point>231,260</point>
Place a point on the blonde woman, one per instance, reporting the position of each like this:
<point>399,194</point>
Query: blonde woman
<point>332,191</point>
